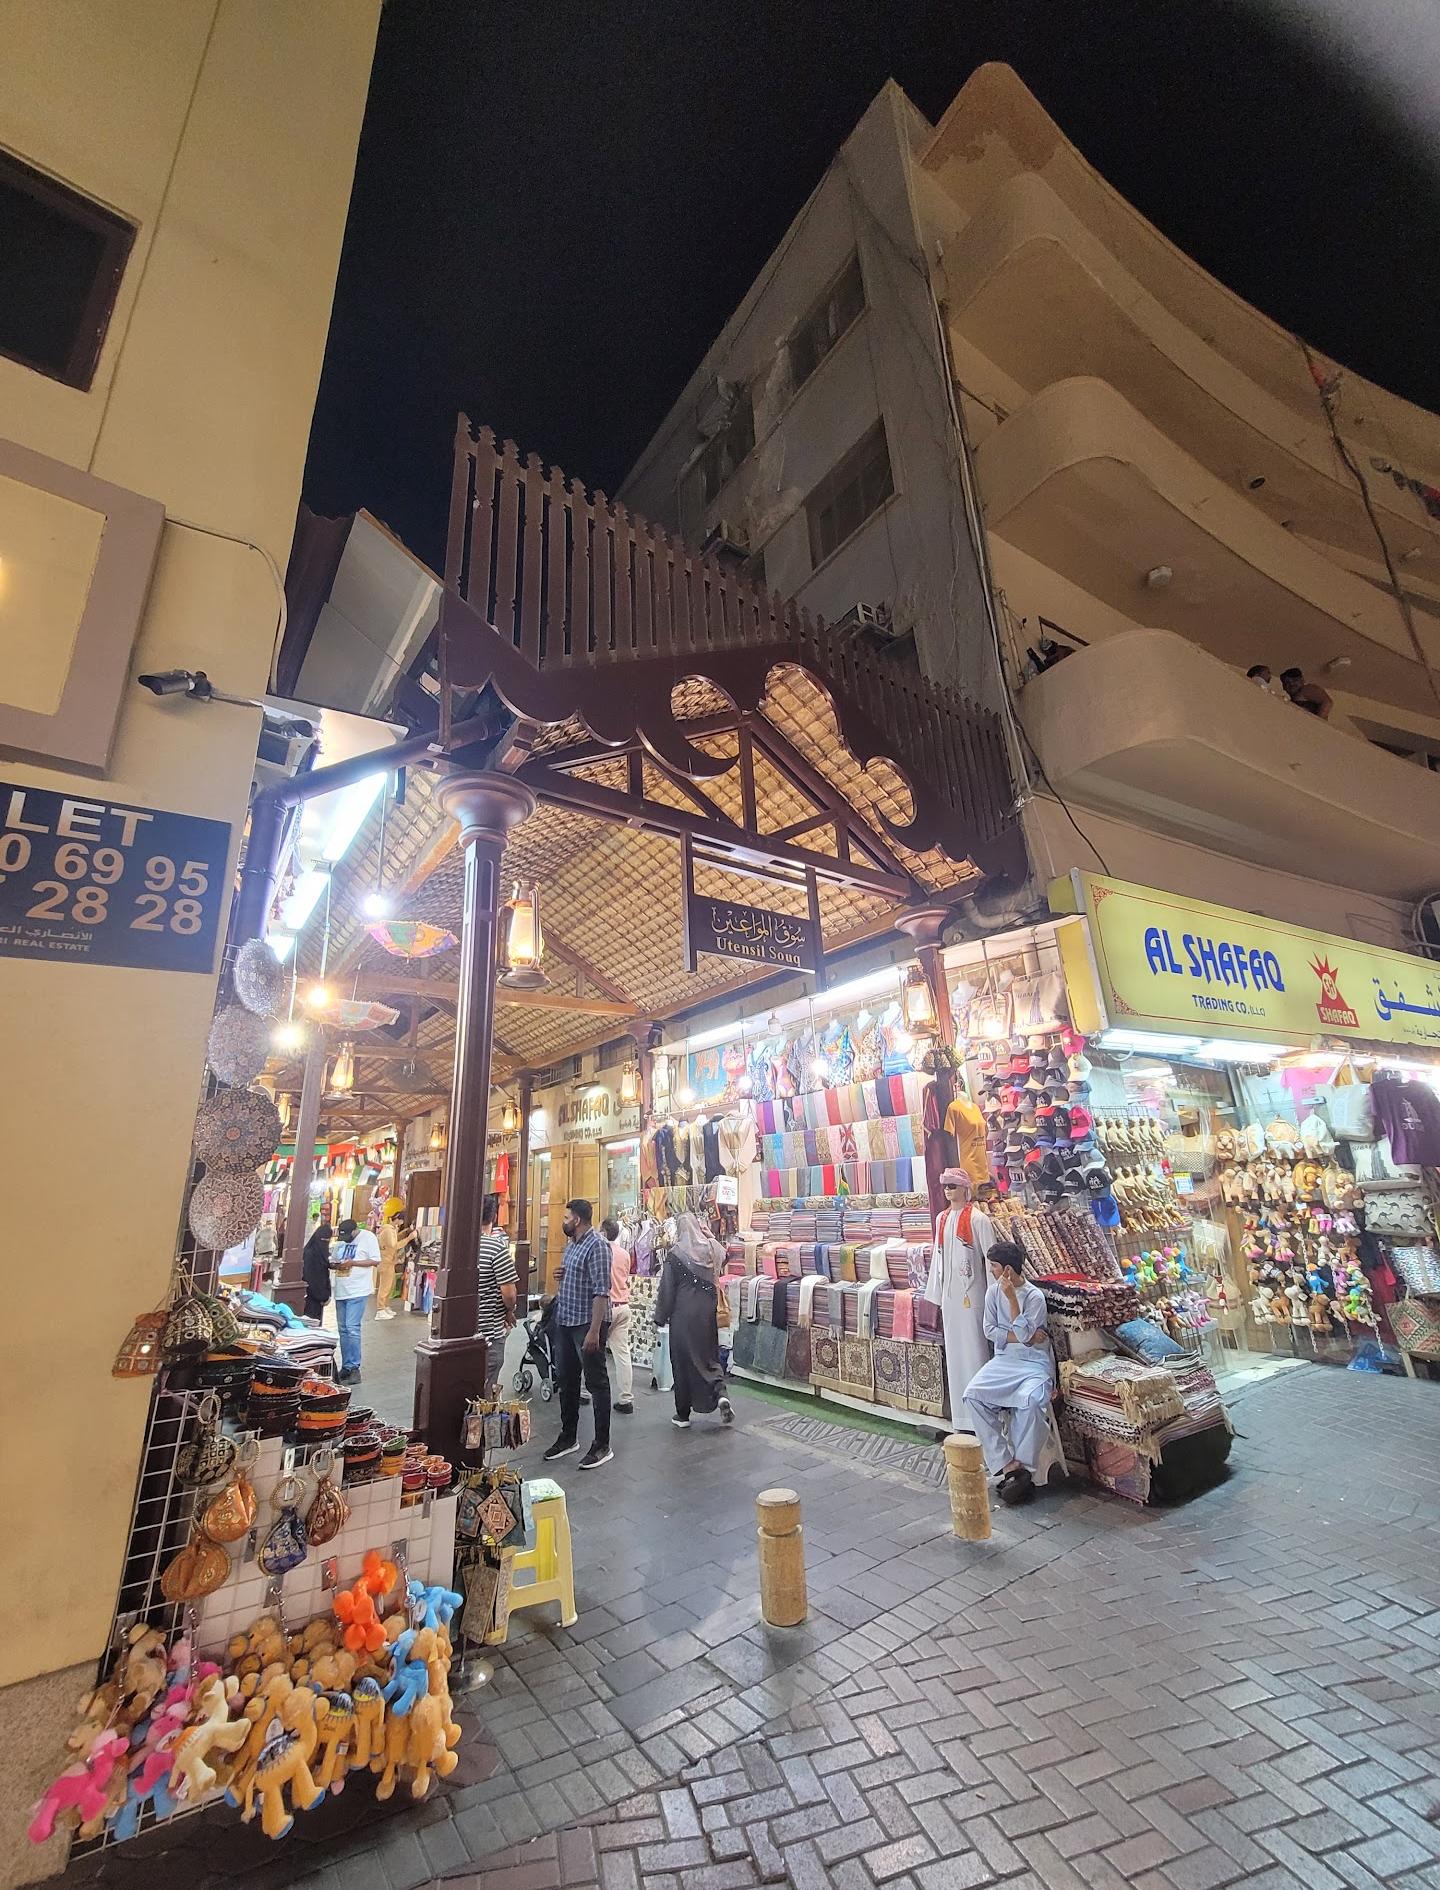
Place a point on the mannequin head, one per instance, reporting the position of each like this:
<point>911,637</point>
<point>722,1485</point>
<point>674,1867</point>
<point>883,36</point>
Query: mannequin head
<point>957,1186</point>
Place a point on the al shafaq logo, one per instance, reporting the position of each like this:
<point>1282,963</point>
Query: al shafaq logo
<point>1332,1006</point>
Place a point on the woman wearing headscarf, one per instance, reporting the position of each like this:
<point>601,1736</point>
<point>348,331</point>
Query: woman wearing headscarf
<point>315,1270</point>
<point>688,1305</point>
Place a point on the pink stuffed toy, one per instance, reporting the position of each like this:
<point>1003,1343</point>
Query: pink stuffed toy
<point>83,1788</point>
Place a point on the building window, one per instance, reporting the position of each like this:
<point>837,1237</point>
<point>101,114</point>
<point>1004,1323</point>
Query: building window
<point>827,322</point>
<point>847,496</point>
<point>723,453</point>
<point>64,259</point>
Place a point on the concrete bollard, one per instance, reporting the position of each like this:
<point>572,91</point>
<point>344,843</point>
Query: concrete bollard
<point>782,1558</point>
<point>969,1489</point>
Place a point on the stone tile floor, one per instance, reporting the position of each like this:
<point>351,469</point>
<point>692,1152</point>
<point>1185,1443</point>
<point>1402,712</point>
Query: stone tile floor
<point>1245,1690</point>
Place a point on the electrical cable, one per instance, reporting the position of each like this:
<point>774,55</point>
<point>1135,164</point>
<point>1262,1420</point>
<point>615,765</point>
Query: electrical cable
<point>1325,392</point>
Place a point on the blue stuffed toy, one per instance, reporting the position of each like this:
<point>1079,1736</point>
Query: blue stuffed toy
<point>409,1680</point>
<point>432,1607</point>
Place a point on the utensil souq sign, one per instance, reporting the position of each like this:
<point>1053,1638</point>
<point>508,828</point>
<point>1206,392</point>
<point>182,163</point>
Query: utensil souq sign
<point>751,933</point>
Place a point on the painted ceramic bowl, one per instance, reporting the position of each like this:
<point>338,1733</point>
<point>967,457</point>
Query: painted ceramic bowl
<point>226,1208</point>
<point>237,1128</point>
<point>239,1044</point>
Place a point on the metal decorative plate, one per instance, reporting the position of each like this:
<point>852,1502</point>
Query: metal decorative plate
<point>259,978</point>
<point>237,1128</point>
<point>239,1044</point>
<point>225,1209</point>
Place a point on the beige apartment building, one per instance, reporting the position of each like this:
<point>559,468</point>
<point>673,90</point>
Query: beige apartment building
<point>975,400</point>
<point>181,170</point>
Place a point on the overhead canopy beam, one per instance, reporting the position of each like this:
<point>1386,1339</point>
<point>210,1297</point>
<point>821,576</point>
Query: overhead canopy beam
<point>755,853</point>
<point>383,984</point>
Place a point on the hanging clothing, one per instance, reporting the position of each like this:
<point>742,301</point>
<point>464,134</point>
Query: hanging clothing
<point>710,1144</point>
<point>1008,1399</point>
<point>956,1284</point>
<point>688,1306</point>
<point>1409,1114</point>
<point>965,1122</point>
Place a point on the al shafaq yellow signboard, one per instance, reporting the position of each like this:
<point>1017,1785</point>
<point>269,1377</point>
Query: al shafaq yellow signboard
<point>1166,963</point>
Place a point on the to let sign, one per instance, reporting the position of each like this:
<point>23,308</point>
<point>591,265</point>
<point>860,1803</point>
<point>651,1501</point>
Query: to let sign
<point>94,882</point>
<point>751,933</point>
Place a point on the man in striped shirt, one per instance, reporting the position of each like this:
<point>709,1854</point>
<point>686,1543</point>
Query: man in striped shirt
<point>497,1281</point>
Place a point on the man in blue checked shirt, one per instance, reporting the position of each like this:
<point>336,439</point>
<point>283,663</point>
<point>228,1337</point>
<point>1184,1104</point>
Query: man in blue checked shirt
<point>582,1313</point>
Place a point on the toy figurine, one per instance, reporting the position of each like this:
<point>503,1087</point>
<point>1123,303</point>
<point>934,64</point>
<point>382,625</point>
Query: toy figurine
<point>1319,1312</point>
<point>83,1789</point>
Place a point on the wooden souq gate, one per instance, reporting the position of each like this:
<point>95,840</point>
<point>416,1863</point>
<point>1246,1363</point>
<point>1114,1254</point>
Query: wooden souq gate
<point>650,689</point>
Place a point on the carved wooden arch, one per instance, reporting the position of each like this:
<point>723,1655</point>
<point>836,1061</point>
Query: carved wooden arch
<point>570,609</point>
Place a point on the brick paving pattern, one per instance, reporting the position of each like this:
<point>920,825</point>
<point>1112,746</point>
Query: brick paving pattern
<point>1245,1690</point>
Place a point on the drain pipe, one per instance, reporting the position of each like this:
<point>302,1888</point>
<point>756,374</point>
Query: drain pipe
<point>270,806</point>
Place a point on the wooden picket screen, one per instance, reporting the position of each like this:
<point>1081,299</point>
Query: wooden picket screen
<point>573,581</point>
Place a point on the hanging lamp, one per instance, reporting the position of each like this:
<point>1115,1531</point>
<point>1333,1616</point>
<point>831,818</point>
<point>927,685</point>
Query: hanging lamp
<point>629,1085</point>
<point>917,1003</point>
<point>508,1118</point>
<point>524,941</point>
<point>342,1077</point>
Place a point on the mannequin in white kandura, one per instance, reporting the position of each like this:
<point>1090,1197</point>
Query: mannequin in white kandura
<point>956,1283</point>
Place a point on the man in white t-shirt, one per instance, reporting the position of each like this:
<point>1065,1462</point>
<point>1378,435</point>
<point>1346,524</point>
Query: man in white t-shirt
<point>354,1261</point>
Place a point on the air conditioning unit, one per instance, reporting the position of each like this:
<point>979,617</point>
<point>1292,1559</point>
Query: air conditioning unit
<point>726,538</point>
<point>874,620</point>
<point>280,754</point>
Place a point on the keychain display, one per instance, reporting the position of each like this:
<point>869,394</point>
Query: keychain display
<point>198,1570</point>
<point>210,1455</point>
<point>328,1512</point>
<point>286,1544</point>
<point>230,1514</point>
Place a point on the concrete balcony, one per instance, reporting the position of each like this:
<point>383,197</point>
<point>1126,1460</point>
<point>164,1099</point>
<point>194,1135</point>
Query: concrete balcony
<point>1083,482</point>
<point>1046,300</point>
<point>1146,726</point>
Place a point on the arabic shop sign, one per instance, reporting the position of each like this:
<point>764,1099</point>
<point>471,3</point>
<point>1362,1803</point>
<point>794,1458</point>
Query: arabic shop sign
<point>1157,961</point>
<point>94,882</point>
<point>751,933</point>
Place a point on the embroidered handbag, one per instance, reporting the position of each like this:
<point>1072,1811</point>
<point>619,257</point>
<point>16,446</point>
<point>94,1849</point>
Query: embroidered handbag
<point>1416,1325</point>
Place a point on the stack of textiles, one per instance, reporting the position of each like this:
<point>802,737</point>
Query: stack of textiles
<point>829,1225</point>
<point>912,1207</point>
<point>309,1346</point>
<point>891,1140</point>
<point>1200,1397</point>
<point>802,1224</point>
<point>1145,1396</point>
<point>1080,1304</point>
<point>1059,1240</point>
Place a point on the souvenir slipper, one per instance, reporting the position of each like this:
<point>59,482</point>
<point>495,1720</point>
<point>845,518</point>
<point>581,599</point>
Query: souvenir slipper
<point>231,1514</point>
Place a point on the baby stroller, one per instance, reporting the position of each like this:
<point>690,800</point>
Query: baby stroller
<point>539,1355</point>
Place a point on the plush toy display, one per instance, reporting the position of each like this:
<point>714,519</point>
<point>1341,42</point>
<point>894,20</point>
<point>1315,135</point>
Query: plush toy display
<point>284,1723</point>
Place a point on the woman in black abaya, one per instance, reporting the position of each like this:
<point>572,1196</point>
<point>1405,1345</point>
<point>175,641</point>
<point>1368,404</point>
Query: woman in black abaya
<point>688,1305</point>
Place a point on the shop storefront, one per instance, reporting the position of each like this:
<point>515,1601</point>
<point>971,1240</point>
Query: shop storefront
<point>1245,1076</point>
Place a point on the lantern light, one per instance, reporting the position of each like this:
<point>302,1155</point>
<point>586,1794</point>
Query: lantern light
<point>437,1137</point>
<point>377,905</point>
<point>289,1036</point>
<point>342,1077</point>
<point>319,997</point>
<point>918,1004</point>
<point>629,1085</point>
<point>508,1118</point>
<point>524,941</point>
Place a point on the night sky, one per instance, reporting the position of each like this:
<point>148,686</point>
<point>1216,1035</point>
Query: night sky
<point>557,204</point>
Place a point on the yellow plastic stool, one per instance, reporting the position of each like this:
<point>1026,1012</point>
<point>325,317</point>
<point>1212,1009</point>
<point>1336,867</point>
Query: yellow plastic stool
<point>549,1567</point>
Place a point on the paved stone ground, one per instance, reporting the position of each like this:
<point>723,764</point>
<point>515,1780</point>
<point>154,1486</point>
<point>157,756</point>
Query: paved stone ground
<point>1243,1690</point>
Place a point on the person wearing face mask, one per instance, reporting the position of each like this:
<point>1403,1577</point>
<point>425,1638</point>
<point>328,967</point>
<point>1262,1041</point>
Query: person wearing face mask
<point>1008,1399</point>
<point>582,1315</point>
